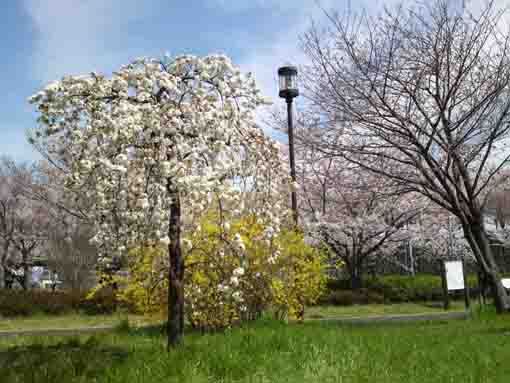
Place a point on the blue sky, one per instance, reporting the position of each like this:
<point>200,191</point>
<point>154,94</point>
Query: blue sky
<point>46,39</point>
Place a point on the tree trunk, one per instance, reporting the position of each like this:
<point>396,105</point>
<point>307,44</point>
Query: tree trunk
<point>2,276</point>
<point>27,272</point>
<point>477,238</point>
<point>3,260</point>
<point>175,276</point>
<point>27,280</point>
<point>356,278</point>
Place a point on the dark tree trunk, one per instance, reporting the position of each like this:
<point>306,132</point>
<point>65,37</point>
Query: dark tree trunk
<point>2,276</point>
<point>477,238</point>
<point>356,278</point>
<point>27,271</point>
<point>3,259</point>
<point>175,276</point>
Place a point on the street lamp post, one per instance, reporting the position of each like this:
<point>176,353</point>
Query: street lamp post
<point>287,76</point>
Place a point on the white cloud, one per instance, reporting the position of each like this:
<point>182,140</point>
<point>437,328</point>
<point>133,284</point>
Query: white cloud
<point>264,59</point>
<point>244,5</point>
<point>76,36</point>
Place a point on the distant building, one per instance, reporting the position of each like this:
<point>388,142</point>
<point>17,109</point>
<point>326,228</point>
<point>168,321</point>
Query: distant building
<point>49,280</point>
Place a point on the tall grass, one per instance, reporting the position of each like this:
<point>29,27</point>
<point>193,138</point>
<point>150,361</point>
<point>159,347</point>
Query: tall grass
<point>476,350</point>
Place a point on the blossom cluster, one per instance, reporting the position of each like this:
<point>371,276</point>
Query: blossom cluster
<point>154,130</point>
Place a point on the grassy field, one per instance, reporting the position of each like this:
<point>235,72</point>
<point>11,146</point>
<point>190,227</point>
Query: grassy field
<point>326,312</point>
<point>475,350</point>
<point>40,322</point>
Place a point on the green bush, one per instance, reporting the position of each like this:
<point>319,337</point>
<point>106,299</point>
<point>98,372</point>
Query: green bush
<point>393,289</point>
<point>25,303</point>
<point>352,297</point>
<point>103,302</point>
<point>338,284</point>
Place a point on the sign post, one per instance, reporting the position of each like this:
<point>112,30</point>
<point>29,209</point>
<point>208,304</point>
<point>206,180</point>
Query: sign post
<point>466,286</point>
<point>454,278</point>
<point>446,298</point>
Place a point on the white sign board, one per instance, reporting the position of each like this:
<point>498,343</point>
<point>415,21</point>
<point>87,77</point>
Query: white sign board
<point>454,275</point>
<point>506,283</point>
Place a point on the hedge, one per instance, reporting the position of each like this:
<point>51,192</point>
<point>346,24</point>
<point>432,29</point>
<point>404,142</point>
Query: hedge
<point>26,303</point>
<point>392,289</point>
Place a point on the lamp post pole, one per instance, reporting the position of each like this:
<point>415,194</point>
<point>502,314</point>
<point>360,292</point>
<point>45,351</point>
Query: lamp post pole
<point>293,195</point>
<point>287,77</point>
<point>289,90</point>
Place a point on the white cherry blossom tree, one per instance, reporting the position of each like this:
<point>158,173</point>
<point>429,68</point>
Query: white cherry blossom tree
<point>150,145</point>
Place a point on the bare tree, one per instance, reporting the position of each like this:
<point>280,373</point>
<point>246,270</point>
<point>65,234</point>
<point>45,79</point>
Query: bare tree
<point>420,96</point>
<point>66,249</point>
<point>23,222</point>
<point>70,254</point>
<point>499,205</point>
<point>8,202</point>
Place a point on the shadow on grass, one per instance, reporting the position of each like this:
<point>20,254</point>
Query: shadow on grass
<point>159,330</point>
<point>156,330</point>
<point>498,331</point>
<point>432,305</point>
<point>70,361</point>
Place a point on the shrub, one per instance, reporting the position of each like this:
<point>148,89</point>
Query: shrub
<point>421,287</point>
<point>237,273</point>
<point>393,289</point>
<point>352,297</point>
<point>338,284</point>
<point>26,303</point>
<point>10,307</point>
<point>103,302</point>
<point>234,272</point>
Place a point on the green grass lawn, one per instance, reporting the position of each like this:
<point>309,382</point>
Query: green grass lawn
<point>467,351</point>
<point>40,322</point>
<point>329,312</point>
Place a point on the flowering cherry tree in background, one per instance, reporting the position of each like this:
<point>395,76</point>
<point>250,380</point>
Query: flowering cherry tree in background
<point>498,206</point>
<point>69,253</point>
<point>151,144</point>
<point>439,236</point>
<point>8,205</point>
<point>357,214</point>
<point>24,222</point>
<point>419,96</point>
<point>63,246</point>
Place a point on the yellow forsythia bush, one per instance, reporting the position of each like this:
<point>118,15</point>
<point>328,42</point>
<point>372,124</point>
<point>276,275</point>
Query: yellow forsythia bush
<point>234,271</point>
<point>237,270</point>
<point>144,286</point>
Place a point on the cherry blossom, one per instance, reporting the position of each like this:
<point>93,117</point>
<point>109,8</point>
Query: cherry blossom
<point>152,145</point>
<point>356,214</point>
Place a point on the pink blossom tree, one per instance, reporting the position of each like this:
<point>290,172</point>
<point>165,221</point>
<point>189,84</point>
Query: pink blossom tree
<point>423,89</point>
<point>356,214</point>
<point>439,236</point>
